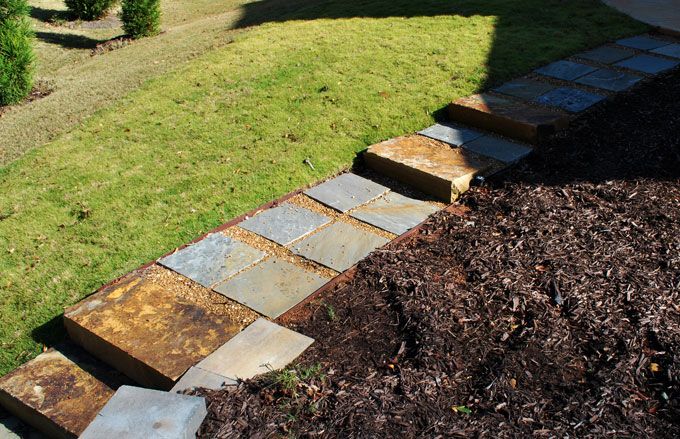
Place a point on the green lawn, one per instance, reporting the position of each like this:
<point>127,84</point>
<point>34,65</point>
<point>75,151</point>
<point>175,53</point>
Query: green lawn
<point>230,130</point>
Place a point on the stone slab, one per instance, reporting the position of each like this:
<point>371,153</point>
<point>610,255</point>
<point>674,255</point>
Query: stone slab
<point>285,223</point>
<point>60,391</point>
<point>395,213</point>
<point>346,191</point>
<point>450,133</point>
<point>499,149</point>
<point>426,164</point>
<point>136,413</point>
<point>338,246</point>
<point>641,42</point>
<point>672,50</point>
<point>527,89</point>
<point>151,333</point>
<point>510,118</point>
<point>611,80</point>
<point>271,287</point>
<point>570,99</point>
<point>565,70</point>
<point>663,14</point>
<point>196,377</point>
<point>607,54</point>
<point>212,259</point>
<point>648,64</point>
<point>260,348</point>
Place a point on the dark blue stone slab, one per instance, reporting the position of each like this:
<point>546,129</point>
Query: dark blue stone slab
<point>611,80</point>
<point>499,149</point>
<point>450,133</point>
<point>285,223</point>
<point>566,70</point>
<point>346,191</point>
<point>672,50</point>
<point>648,64</point>
<point>642,42</point>
<point>570,99</point>
<point>524,88</point>
<point>607,54</point>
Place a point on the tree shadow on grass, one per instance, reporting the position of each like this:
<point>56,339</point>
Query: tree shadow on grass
<point>50,15</point>
<point>69,41</point>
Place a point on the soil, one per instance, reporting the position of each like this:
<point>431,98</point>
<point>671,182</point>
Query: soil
<point>549,309</point>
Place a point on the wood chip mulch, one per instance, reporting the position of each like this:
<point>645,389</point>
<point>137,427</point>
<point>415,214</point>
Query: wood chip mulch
<point>551,309</point>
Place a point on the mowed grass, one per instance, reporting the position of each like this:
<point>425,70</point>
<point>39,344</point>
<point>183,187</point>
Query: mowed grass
<point>231,129</point>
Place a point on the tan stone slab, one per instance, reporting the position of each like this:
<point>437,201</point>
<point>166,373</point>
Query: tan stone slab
<point>426,164</point>
<point>510,118</point>
<point>60,391</point>
<point>148,331</point>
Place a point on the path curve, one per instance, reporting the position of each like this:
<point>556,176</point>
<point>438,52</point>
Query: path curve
<point>664,14</point>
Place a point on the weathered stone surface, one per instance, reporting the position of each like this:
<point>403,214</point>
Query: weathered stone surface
<point>196,377</point>
<point>261,347</point>
<point>570,99</point>
<point>648,64</point>
<point>505,116</point>
<point>346,191</point>
<point>672,50</point>
<point>271,287</point>
<point>611,80</point>
<point>524,88</point>
<point>146,331</point>
<point>450,133</point>
<point>395,213</point>
<point>499,149</point>
<point>566,70</point>
<point>431,166</point>
<point>338,246</point>
<point>134,413</point>
<point>642,42</point>
<point>212,259</point>
<point>285,223</point>
<point>607,54</point>
<point>60,391</point>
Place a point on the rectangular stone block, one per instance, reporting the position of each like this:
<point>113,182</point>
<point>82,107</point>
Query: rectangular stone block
<point>608,79</point>
<point>426,164</point>
<point>272,287</point>
<point>513,119</point>
<point>499,149</point>
<point>136,413</point>
<point>642,42</point>
<point>672,50</point>
<point>151,333</point>
<point>565,70</point>
<point>570,99</point>
<point>346,191</point>
<point>285,223</point>
<point>449,133</point>
<point>260,348</point>
<point>648,64</point>
<point>338,246</point>
<point>526,89</point>
<point>60,391</point>
<point>606,54</point>
<point>196,377</point>
<point>395,213</point>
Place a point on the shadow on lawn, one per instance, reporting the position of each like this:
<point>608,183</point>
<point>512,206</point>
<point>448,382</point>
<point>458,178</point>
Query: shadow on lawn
<point>70,41</point>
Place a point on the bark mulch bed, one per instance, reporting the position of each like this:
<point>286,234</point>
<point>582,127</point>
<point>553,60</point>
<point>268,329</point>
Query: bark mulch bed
<point>550,309</point>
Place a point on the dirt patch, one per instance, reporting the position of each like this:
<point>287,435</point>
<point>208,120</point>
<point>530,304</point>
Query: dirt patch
<point>40,90</point>
<point>549,310</point>
<point>112,44</point>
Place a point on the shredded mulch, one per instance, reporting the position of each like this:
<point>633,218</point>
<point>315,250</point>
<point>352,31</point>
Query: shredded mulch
<point>549,309</point>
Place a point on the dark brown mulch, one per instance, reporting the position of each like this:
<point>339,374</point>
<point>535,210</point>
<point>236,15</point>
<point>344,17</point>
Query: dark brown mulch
<point>111,45</point>
<point>551,309</point>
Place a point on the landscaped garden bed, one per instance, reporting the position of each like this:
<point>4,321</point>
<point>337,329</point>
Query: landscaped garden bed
<point>548,306</point>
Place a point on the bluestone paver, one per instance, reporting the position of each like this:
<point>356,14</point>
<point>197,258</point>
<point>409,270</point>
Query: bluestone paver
<point>450,133</point>
<point>137,413</point>
<point>395,213</point>
<point>566,70</point>
<point>672,50</point>
<point>648,64</point>
<point>570,99</point>
<point>608,79</point>
<point>260,348</point>
<point>642,42</point>
<point>607,54</point>
<point>197,377</point>
<point>527,89</point>
<point>212,259</point>
<point>271,287</point>
<point>346,191</point>
<point>285,223</point>
<point>338,246</point>
<point>499,149</point>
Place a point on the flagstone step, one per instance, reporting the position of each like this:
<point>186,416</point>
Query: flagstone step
<point>514,119</point>
<point>429,165</point>
<point>60,391</point>
<point>153,325</point>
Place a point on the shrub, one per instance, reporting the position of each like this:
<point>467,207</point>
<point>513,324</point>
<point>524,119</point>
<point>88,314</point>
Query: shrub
<point>89,9</point>
<point>16,52</point>
<point>141,18</point>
